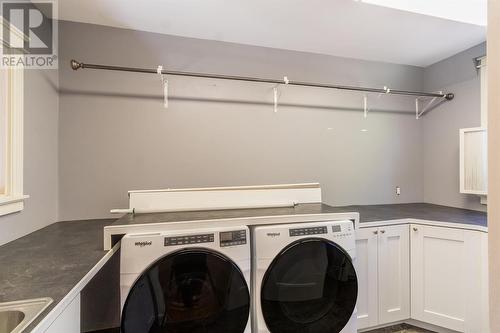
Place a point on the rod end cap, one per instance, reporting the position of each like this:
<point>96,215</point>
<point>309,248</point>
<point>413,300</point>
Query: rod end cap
<point>75,65</point>
<point>450,96</point>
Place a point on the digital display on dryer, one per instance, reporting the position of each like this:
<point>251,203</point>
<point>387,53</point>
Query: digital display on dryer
<point>231,238</point>
<point>226,236</point>
<point>336,228</point>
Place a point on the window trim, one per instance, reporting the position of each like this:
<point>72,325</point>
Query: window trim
<point>13,200</point>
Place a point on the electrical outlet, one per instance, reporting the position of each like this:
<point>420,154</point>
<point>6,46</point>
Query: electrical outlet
<point>398,190</point>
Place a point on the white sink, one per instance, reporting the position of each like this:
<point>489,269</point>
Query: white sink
<point>16,316</point>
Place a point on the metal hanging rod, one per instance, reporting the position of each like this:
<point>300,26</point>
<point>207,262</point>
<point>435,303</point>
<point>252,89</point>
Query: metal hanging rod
<point>75,65</point>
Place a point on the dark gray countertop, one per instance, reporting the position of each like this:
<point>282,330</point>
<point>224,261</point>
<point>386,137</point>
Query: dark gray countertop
<point>421,211</point>
<point>371,213</point>
<point>50,262</point>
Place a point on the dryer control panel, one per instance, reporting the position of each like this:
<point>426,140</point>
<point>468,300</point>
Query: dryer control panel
<point>191,239</point>
<point>231,238</point>
<point>308,231</point>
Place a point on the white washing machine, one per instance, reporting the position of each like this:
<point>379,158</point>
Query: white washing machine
<point>193,281</point>
<point>304,278</point>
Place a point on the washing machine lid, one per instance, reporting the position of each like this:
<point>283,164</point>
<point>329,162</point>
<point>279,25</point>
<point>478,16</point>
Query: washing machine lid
<point>311,286</point>
<point>193,290</point>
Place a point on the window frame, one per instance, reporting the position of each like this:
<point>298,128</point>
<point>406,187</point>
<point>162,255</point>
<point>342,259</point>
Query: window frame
<point>13,199</point>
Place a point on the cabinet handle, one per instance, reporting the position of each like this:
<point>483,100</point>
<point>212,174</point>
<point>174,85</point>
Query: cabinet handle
<point>375,232</point>
<point>415,229</point>
<point>382,231</point>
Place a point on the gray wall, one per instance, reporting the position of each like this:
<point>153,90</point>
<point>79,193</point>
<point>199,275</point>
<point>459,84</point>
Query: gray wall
<point>115,136</point>
<point>40,157</point>
<point>441,127</point>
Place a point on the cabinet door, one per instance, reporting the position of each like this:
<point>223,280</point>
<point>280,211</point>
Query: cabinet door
<point>446,277</point>
<point>394,273</point>
<point>69,320</point>
<point>366,269</point>
<point>474,161</point>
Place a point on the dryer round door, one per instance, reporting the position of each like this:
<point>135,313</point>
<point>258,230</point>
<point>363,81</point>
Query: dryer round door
<point>189,291</point>
<point>311,286</point>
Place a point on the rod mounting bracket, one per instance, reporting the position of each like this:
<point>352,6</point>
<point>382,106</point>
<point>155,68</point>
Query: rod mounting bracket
<point>75,65</point>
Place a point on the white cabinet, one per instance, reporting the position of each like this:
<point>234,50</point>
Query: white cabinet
<point>383,275</point>
<point>394,273</point>
<point>69,320</point>
<point>448,278</point>
<point>367,272</point>
<point>474,161</point>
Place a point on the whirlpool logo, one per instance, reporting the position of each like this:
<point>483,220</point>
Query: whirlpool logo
<point>143,243</point>
<point>273,234</point>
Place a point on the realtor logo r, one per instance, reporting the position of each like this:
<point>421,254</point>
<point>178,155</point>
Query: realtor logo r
<point>29,30</point>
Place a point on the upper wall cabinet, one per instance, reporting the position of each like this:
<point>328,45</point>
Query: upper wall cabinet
<point>473,161</point>
<point>474,146</point>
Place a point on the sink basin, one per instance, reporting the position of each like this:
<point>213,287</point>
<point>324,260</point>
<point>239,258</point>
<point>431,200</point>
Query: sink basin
<point>10,319</point>
<point>16,316</point>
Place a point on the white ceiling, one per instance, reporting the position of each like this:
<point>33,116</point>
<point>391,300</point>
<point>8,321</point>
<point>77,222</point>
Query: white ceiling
<point>466,11</point>
<point>346,28</point>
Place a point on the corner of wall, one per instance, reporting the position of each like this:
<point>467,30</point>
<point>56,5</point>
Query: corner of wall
<point>441,126</point>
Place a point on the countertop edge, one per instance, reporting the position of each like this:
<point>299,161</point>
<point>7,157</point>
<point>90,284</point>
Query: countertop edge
<point>54,313</point>
<point>431,223</point>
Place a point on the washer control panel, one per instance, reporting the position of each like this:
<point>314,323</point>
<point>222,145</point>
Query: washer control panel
<point>232,238</point>
<point>308,231</point>
<point>191,239</point>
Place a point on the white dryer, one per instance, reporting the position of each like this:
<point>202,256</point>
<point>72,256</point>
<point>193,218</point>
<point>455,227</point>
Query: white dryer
<point>304,278</point>
<point>192,281</point>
